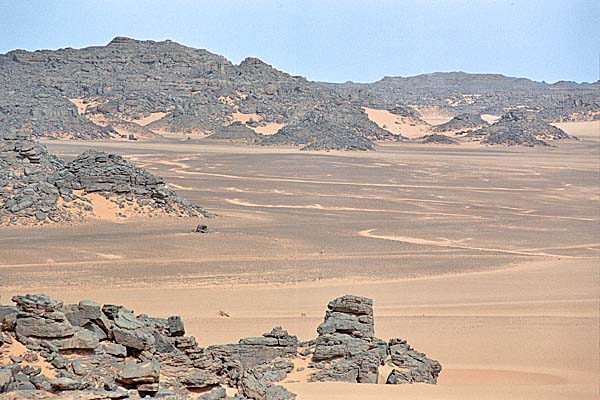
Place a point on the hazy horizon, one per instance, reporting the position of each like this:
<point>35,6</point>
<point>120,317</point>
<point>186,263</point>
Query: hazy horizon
<point>336,41</point>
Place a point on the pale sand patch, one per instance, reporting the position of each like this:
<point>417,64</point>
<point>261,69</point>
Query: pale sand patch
<point>489,118</point>
<point>434,115</point>
<point>178,187</point>
<point>109,256</point>
<point>178,134</point>
<point>154,116</point>
<point>17,349</point>
<point>582,129</point>
<point>227,100</point>
<point>456,244</point>
<point>104,208</point>
<point>107,210</point>
<point>82,105</point>
<point>98,119</point>
<point>320,207</point>
<point>397,124</point>
<point>244,118</point>
<point>270,128</point>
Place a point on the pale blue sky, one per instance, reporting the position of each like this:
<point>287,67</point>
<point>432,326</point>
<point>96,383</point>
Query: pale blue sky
<point>335,40</point>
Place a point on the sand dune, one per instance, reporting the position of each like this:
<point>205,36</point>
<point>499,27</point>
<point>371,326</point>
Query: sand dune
<point>397,124</point>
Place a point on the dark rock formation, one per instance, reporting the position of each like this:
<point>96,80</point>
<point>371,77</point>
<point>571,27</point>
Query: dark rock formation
<point>109,352</point>
<point>320,130</point>
<point>437,139</point>
<point>26,174</point>
<point>460,92</point>
<point>106,92</point>
<point>236,132</point>
<point>519,128</point>
<point>461,122</point>
<point>37,187</point>
<point>410,365</point>
<point>347,350</point>
<point>96,92</point>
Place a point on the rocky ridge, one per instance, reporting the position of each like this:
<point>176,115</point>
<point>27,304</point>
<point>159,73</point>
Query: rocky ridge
<point>87,93</point>
<point>137,89</point>
<point>37,187</point>
<point>89,351</point>
<point>461,122</point>
<point>460,92</point>
<point>437,139</point>
<point>519,128</point>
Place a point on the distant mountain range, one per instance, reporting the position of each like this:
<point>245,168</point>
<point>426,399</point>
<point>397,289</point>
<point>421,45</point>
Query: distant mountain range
<point>131,88</point>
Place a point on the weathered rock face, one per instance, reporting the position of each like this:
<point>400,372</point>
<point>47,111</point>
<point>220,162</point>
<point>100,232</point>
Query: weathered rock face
<point>98,90</point>
<point>37,187</point>
<point>347,350</point>
<point>25,189</point>
<point>519,128</point>
<point>109,352</point>
<point>412,366</point>
<point>236,132</point>
<point>462,122</point>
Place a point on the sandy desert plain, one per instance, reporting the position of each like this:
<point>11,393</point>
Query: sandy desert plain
<point>487,259</point>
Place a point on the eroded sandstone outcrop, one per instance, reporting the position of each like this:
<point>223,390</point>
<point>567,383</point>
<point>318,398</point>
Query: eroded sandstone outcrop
<point>37,187</point>
<point>347,350</point>
<point>93,351</point>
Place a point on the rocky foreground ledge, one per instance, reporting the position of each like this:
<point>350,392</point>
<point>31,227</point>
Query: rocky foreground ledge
<point>87,351</point>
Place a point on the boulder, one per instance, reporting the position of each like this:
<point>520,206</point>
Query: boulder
<point>414,367</point>
<point>44,327</point>
<point>134,374</point>
<point>175,326</point>
<point>216,393</point>
<point>62,384</point>
<point>138,339</point>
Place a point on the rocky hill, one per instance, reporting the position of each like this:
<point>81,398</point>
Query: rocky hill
<point>460,92</point>
<point>37,187</point>
<point>163,86</point>
<point>137,89</point>
<point>89,351</point>
<point>519,128</point>
<point>461,122</point>
<point>437,139</point>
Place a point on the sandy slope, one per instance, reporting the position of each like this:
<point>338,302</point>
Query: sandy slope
<point>587,130</point>
<point>397,124</point>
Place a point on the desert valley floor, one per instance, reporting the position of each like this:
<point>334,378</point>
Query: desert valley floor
<point>484,258</point>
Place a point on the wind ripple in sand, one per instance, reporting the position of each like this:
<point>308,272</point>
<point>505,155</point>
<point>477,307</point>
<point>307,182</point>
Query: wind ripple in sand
<point>392,185</point>
<point>455,245</point>
<point>239,202</point>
